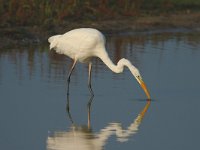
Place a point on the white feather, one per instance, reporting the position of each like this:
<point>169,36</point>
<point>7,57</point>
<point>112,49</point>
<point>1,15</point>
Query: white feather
<point>53,40</point>
<point>84,43</point>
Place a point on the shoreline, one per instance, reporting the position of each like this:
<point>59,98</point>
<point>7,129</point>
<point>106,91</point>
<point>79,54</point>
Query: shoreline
<point>25,35</point>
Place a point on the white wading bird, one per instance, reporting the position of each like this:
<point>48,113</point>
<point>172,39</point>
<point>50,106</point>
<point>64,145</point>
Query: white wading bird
<point>83,44</point>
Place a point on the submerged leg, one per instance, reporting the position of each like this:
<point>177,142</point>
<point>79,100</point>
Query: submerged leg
<point>89,79</point>
<point>69,75</point>
<point>89,109</point>
<point>68,110</point>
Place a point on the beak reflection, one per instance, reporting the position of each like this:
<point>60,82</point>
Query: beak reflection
<point>83,137</point>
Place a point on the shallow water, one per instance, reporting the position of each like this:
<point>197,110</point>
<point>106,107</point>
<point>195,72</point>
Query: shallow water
<point>33,96</point>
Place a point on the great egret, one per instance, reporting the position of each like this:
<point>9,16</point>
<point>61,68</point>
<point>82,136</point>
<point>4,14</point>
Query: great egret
<point>84,43</point>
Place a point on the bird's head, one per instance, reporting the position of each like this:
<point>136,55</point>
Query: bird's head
<point>135,72</point>
<point>138,77</point>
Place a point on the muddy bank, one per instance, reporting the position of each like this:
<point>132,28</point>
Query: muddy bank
<point>22,36</point>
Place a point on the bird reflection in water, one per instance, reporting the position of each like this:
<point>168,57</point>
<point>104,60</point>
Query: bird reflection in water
<point>89,108</point>
<point>83,138</point>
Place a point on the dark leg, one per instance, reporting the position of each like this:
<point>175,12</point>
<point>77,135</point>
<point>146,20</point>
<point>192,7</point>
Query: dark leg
<point>89,79</point>
<point>69,75</point>
<point>89,108</point>
<point>68,110</point>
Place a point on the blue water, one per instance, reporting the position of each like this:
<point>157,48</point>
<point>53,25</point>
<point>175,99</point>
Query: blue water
<point>33,96</point>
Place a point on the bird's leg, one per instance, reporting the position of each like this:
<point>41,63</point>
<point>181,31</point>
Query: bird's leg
<point>68,110</point>
<point>89,108</point>
<point>91,92</point>
<point>69,75</point>
<point>89,79</point>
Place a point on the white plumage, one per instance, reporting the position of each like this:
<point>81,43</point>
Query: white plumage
<point>78,43</point>
<point>84,43</point>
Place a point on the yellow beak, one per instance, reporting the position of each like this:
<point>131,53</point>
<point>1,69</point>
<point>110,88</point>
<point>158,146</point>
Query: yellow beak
<point>144,87</point>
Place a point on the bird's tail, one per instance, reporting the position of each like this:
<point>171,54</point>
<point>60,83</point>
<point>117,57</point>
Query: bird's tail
<point>50,39</point>
<point>53,41</point>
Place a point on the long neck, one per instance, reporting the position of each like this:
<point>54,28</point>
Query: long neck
<point>120,65</point>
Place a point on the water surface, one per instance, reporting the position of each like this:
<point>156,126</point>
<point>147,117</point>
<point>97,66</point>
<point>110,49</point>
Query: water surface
<point>33,96</point>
